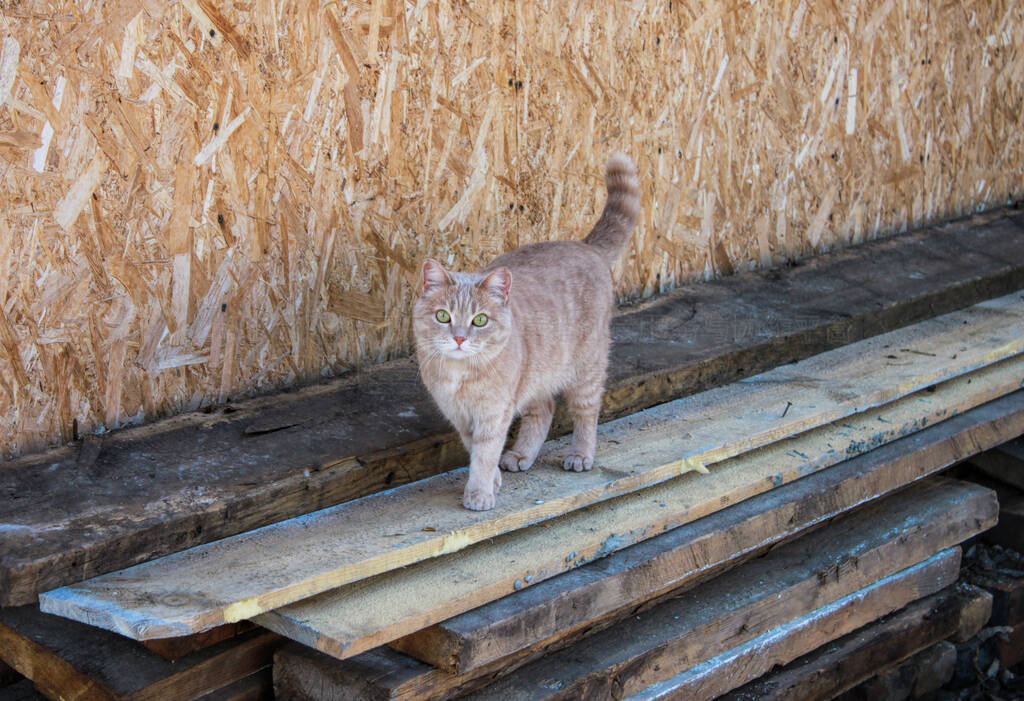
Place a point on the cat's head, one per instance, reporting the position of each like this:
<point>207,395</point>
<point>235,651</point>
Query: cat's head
<point>462,315</point>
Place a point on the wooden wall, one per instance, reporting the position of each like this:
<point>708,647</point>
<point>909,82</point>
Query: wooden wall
<point>201,200</point>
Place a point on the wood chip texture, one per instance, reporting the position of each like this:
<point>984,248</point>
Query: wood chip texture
<point>207,200</point>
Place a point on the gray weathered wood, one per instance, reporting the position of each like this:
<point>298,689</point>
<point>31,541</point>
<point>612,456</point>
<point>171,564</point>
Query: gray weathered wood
<point>852,552</point>
<point>74,661</point>
<point>788,641</point>
<point>842,664</point>
<point>243,576</point>
<point>918,676</point>
<point>199,477</point>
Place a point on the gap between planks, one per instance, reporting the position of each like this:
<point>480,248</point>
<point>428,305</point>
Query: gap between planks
<point>248,574</point>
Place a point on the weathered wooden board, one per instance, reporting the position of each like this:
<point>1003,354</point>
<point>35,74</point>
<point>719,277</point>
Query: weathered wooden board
<point>533,619</point>
<point>791,580</point>
<point>112,501</point>
<point>786,642</point>
<point>843,663</point>
<point>248,574</point>
<point>73,661</point>
<point>916,677</point>
<point>366,614</point>
<point>1004,463</point>
<point>677,558</point>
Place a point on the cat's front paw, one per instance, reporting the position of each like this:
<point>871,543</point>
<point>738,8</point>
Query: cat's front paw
<point>478,499</point>
<point>514,462</point>
<point>577,462</point>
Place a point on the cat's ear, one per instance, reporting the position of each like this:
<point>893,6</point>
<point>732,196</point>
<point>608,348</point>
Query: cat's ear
<point>434,275</point>
<point>497,284</point>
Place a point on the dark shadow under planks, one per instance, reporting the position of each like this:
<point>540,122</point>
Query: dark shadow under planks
<point>920,674</point>
<point>841,664</point>
<point>75,661</point>
<point>1004,463</point>
<point>108,502</point>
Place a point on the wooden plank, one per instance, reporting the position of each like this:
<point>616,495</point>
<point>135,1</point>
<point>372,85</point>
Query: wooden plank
<point>789,581</point>
<point>843,663</point>
<point>210,474</point>
<point>366,614</point>
<point>248,574</point>
<point>386,674</point>
<point>922,674</point>
<point>73,661</point>
<point>1004,463</point>
<point>531,620</point>
<point>786,642</point>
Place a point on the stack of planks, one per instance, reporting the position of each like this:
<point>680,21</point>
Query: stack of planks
<point>721,534</point>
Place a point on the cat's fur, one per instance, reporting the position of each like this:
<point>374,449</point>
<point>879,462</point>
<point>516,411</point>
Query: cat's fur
<point>549,306</point>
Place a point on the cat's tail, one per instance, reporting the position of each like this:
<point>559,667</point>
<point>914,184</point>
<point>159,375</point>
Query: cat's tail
<point>621,209</point>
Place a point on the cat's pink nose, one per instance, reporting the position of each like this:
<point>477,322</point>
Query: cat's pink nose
<point>459,340</point>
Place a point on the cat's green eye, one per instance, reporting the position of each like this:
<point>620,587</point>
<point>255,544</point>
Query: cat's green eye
<point>480,320</point>
<point>443,316</point>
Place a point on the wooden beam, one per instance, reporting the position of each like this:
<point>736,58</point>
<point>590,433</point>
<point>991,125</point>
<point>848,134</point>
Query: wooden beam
<point>799,636</point>
<point>243,576</point>
<point>791,580</point>
<point>842,664</point>
<point>224,470</point>
<point>684,556</point>
<point>73,661</point>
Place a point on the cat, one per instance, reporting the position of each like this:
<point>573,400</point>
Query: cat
<point>534,323</point>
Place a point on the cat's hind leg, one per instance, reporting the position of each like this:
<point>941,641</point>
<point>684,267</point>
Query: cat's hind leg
<point>533,431</point>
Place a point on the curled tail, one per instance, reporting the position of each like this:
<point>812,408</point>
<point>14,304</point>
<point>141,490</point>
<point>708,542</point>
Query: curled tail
<point>621,209</point>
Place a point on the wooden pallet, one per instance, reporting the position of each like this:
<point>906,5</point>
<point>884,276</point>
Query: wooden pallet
<point>243,576</point>
<point>68,660</point>
<point>140,493</point>
<point>823,566</point>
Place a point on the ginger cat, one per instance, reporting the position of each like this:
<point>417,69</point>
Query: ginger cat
<point>505,340</point>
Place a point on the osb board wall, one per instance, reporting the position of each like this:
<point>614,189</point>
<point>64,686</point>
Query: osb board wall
<point>206,199</point>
